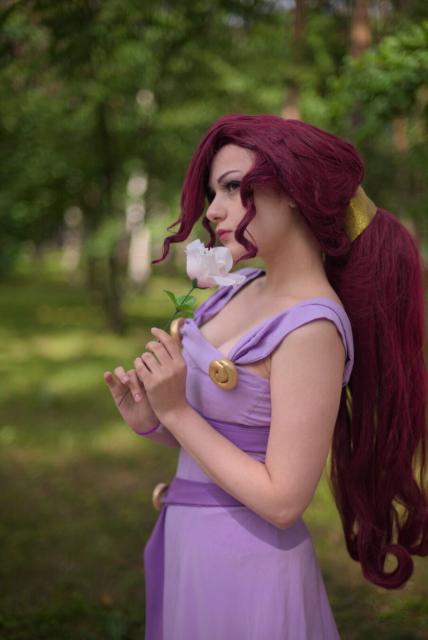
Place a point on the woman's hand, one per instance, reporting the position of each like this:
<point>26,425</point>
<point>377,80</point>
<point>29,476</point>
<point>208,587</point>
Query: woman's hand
<point>131,399</point>
<point>163,373</point>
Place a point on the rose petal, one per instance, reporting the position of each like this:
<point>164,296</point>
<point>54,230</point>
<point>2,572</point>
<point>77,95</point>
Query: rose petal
<point>206,283</point>
<point>210,267</point>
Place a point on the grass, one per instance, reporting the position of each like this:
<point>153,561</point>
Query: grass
<point>76,481</point>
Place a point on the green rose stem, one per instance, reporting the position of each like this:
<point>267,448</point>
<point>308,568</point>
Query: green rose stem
<point>187,309</point>
<point>180,307</point>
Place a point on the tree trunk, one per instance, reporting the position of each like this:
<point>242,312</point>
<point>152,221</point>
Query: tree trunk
<point>91,274</point>
<point>112,296</point>
<point>360,38</point>
<point>360,35</point>
<point>139,256</point>
<point>112,286</point>
<point>291,108</point>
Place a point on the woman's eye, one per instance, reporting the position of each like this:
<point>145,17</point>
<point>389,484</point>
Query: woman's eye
<point>234,184</point>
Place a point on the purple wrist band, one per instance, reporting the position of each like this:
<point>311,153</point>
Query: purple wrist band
<point>145,433</point>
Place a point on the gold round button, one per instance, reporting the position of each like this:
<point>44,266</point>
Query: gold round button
<point>158,491</point>
<point>223,372</point>
<point>175,327</point>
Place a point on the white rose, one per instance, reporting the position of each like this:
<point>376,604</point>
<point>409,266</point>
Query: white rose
<point>210,267</point>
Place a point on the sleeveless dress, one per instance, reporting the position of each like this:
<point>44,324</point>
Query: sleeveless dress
<point>226,573</point>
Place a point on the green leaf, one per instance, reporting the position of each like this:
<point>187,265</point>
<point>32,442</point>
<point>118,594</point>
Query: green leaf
<point>188,299</point>
<point>186,307</point>
<point>172,296</point>
<point>185,314</point>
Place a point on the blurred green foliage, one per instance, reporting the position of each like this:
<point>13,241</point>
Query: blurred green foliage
<point>92,91</point>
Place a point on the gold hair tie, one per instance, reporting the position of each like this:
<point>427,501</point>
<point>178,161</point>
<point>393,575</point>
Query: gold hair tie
<point>359,214</point>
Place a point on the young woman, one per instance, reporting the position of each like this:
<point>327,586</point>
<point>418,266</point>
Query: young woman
<point>321,347</point>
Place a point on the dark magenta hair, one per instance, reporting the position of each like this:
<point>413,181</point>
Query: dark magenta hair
<point>378,456</point>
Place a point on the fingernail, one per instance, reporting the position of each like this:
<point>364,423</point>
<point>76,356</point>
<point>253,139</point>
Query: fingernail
<point>137,397</point>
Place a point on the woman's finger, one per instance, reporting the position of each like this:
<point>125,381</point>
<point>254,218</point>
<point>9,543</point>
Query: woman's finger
<point>144,364</point>
<point>135,386</point>
<point>157,349</point>
<point>170,344</point>
<point>120,373</point>
<point>116,387</point>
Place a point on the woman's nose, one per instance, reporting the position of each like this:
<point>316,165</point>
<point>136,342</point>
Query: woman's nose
<point>215,211</point>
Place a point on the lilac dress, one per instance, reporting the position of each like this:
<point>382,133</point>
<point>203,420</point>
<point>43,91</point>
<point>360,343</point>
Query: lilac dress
<point>220,571</point>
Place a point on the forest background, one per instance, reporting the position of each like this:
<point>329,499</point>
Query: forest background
<point>101,106</point>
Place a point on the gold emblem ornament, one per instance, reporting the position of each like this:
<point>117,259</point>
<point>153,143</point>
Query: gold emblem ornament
<point>175,327</point>
<point>158,492</point>
<point>223,372</point>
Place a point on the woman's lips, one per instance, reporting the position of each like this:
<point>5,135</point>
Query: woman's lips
<point>222,233</point>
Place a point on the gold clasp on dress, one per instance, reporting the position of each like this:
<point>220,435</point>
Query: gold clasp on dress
<point>158,491</point>
<point>224,373</point>
<point>175,328</point>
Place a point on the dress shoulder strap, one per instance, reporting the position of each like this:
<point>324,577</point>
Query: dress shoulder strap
<point>260,343</point>
<point>218,299</point>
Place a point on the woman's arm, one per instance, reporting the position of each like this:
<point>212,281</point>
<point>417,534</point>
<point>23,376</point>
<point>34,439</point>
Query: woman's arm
<point>161,435</point>
<point>306,385</point>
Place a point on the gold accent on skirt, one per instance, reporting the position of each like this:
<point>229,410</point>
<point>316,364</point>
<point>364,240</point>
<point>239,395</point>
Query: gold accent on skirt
<point>158,491</point>
<point>224,373</point>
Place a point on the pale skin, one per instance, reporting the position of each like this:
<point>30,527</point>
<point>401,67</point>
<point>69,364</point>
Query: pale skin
<point>305,370</point>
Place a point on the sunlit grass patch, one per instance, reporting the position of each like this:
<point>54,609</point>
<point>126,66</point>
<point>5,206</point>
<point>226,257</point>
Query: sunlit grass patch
<point>76,481</point>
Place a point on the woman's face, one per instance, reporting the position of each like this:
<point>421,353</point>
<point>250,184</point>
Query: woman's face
<point>275,212</point>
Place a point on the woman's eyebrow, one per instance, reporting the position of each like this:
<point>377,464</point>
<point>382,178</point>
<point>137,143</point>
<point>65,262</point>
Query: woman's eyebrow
<point>222,176</point>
